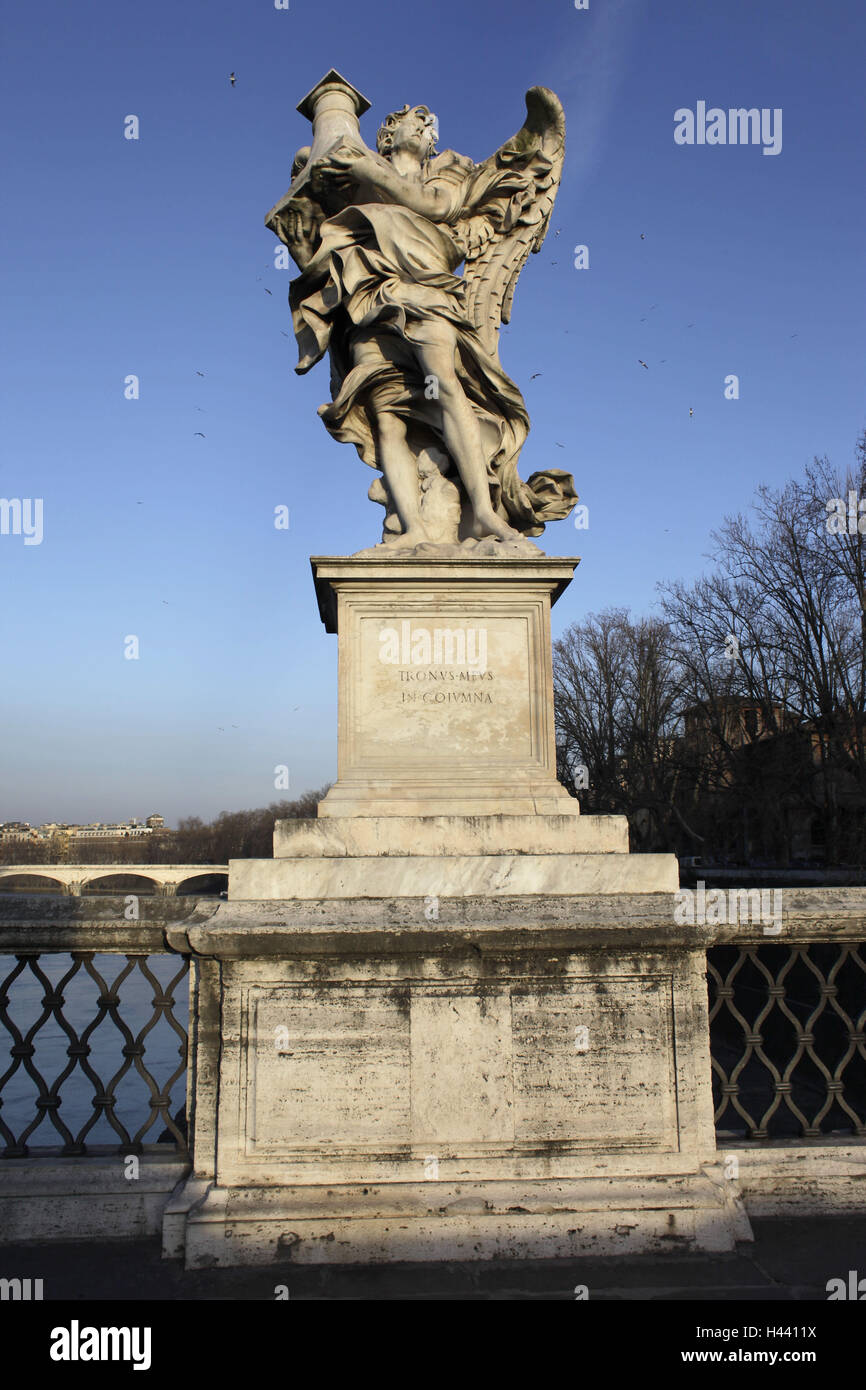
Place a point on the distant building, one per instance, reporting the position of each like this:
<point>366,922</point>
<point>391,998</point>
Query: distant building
<point>63,834</point>
<point>773,779</point>
<point>16,831</point>
<point>100,831</point>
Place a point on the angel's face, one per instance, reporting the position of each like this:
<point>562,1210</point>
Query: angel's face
<point>415,132</point>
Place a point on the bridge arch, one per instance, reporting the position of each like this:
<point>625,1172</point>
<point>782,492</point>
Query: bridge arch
<point>113,883</point>
<point>206,884</point>
<point>30,882</point>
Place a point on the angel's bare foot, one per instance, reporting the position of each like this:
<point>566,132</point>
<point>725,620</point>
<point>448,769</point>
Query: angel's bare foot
<point>489,524</point>
<point>416,535</point>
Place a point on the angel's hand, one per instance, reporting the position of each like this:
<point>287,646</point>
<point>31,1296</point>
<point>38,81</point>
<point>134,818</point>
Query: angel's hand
<point>301,231</point>
<point>326,177</point>
<point>351,159</point>
<point>342,168</point>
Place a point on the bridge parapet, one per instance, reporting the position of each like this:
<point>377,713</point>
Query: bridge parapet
<point>781,1044</point>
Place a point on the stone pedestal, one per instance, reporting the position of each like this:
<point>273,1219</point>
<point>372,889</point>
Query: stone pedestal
<point>445,685</point>
<point>451,1018</point>
<point>379,1081</point>
<point>446,750</point>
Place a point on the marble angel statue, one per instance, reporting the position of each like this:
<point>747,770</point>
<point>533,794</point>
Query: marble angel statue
<point>416,381</point>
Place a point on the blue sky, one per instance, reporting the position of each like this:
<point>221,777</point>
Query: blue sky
<point>151,257</point>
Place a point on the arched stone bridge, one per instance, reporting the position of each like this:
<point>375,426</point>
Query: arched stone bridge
<point>160,880</point>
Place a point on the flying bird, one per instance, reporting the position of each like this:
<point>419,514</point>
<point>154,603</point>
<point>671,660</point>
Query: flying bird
<point>642,236</point>
<point>558,445</point>
<point>558,230</point>
<point>285,335</point>
<point>268,291</point>
<point>642,363</point>
<point>795,335</point>
<point>535,374</point>
<point>199,373</point>
<point>198,435</point>
<point>691,412</point>
<point>232,78</point>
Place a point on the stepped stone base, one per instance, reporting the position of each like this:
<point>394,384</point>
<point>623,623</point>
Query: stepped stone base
<point>420,876</point>
<point>388,836</point>
<point>450,856</point>
<point>432,1220</point>
<point>464,798</point>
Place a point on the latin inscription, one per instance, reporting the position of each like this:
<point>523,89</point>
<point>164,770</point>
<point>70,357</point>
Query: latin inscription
<point>437,695</point>
<point>434,671</point>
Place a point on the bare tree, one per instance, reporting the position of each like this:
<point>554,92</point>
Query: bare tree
<point>239,834</point>
<point>779,628</point>
<point>617,697</point>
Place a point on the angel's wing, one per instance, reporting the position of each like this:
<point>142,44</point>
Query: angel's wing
<point>507,212</point>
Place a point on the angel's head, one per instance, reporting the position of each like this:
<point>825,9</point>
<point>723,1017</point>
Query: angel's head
<point>414,129</point>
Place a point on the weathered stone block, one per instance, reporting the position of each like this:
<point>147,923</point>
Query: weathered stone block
<point>445,685</point>
<point>527,1091</point>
